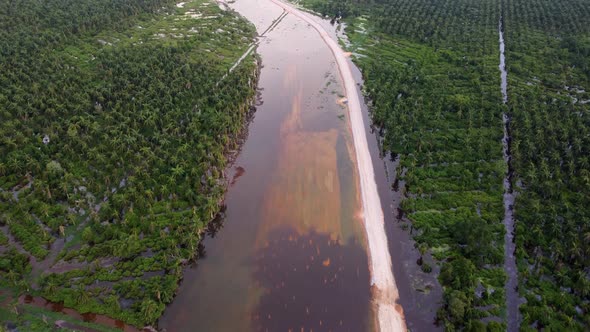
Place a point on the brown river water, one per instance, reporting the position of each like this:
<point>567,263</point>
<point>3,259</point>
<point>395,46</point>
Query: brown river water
<point>292,254</point>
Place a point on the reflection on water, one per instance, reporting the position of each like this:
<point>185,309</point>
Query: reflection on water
<point>216,224</point>
<point>311,283</point>
<point>239,172</point>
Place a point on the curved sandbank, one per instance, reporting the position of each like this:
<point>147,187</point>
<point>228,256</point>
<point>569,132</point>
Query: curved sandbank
<point>389,315</point>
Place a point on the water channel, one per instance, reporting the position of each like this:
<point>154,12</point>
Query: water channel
<point>512,298</point>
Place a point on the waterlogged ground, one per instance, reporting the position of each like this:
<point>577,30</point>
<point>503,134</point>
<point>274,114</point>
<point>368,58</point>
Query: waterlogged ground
<point>291,252</point>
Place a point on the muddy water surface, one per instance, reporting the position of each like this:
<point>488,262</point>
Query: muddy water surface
<point>291,254</point>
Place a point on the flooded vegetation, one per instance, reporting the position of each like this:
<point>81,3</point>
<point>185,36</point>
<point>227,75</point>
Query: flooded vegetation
<point>547,55</point>
<point>431,73</point>
<point>111,170</point>
<point>444,136</point>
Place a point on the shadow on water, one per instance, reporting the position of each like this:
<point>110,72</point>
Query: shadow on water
<point>212,229</point>
<point>305,278</point>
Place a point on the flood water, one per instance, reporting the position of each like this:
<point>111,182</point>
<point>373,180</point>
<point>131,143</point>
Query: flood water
<point>512,298</point>
<point>292,252</point>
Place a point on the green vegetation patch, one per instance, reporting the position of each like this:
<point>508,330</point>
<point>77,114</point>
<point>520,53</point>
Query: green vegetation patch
<point>436,107</point>
<point>116,121</point>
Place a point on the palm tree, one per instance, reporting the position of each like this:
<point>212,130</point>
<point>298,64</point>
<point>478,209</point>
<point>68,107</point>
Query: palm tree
<point>177,171</point>
<point>81,295</point>
<point>23,284</point>
<point>51,286</point>
<point>149,310</point>
<point>12,276</point>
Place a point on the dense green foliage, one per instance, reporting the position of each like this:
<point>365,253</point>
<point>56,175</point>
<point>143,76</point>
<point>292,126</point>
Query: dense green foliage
<point>115,123</point>
<point>431,72</point>
<point>548,58</point>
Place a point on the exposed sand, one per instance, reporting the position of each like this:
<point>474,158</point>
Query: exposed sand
<point>385,294</point>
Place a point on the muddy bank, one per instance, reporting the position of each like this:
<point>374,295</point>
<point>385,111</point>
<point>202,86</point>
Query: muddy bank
<point>87,317</point>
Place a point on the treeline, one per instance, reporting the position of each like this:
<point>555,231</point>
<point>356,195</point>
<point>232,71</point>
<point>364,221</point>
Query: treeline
<point>115,125</point>
<point>435,23</point>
